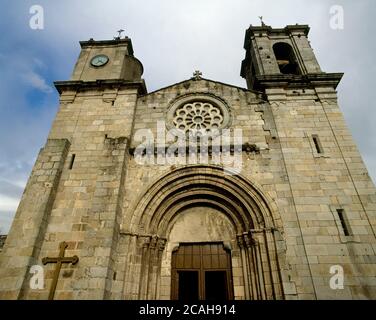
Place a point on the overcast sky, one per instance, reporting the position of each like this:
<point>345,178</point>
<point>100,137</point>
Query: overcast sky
<point>172,39</point>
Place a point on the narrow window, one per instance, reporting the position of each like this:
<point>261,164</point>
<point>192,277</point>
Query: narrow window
<point>72,161</point>
<point>317,143</point>
<point>344,224</point>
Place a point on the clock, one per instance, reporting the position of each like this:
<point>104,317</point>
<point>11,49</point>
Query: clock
<point>99,60</point>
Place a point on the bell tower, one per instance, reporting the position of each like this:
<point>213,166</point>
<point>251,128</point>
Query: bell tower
<point>276,57</point>
<point>87,147</point>
<point>330,186</point>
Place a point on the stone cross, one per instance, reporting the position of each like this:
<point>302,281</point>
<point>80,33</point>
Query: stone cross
<point>197,75</point>
<point>59,261</point>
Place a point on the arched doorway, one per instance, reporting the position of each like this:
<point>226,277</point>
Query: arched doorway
<point>197,206</point>
<point>199,244</point>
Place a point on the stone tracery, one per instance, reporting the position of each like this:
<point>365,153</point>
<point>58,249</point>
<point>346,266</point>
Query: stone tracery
<point>198,116</point>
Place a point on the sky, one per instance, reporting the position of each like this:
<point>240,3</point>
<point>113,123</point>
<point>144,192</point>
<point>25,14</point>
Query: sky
<point>172,39</point>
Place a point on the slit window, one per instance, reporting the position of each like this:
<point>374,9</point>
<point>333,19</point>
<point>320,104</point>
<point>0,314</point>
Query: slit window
<point>316,142</point>
<point>72,161</point>
<point>342,218</point>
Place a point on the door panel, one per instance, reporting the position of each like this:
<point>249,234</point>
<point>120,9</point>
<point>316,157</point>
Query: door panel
<point>201,271</point>
<point>188,285</point>
<point>215,286</point>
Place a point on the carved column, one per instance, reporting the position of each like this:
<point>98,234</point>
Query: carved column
<point>277,274</point>
<point>153,266</point>
<point>262,276</point>
<point>161,247</point>
<point>252,271</point>
<point>258,262</point>
<point>151,250</point>
<point>245,266</point>
<point>144,267</point>
<point>130,270</point>
<point>272,261</point>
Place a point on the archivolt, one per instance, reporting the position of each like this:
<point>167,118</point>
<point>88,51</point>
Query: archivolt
<point>241,200</point>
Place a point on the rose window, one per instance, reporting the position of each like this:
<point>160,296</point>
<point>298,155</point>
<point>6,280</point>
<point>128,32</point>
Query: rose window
<point>198,117</point>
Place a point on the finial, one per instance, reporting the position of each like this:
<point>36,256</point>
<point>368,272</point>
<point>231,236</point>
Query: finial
<point>262,22</point>
<point>197,75</point>
<point>119,32</point>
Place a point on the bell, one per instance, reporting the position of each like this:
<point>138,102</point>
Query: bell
<point>283,62</point>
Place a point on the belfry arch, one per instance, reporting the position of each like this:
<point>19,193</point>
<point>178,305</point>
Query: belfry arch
<point>240,217</point>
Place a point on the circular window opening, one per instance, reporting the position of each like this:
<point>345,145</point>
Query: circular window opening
<point>199,115</point>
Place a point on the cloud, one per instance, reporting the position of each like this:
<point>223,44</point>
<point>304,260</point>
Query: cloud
<point>8,203</point>
<point>172,39</point>
<point>36,81</point>
<point>6,218</point>
<point>39,63</point>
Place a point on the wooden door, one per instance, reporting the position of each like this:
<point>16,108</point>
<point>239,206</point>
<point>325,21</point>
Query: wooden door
<point>201,271</point>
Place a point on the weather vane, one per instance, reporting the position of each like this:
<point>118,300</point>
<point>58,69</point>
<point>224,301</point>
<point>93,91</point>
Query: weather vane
<point>120,32</point>
<point>262,22</point>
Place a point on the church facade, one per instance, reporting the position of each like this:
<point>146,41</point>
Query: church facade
<point>200,190</point>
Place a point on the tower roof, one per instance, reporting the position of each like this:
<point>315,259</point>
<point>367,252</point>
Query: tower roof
<point>115,41</point>
<point>289,29</point>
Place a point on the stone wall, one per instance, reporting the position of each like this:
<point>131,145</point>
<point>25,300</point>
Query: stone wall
<point>121,217</point>
<point>2,241</point>
<point>320,184</point>
<point>27,235</point>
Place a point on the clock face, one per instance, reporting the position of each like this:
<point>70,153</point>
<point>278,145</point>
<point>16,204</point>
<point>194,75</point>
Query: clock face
<point>99,60</point>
